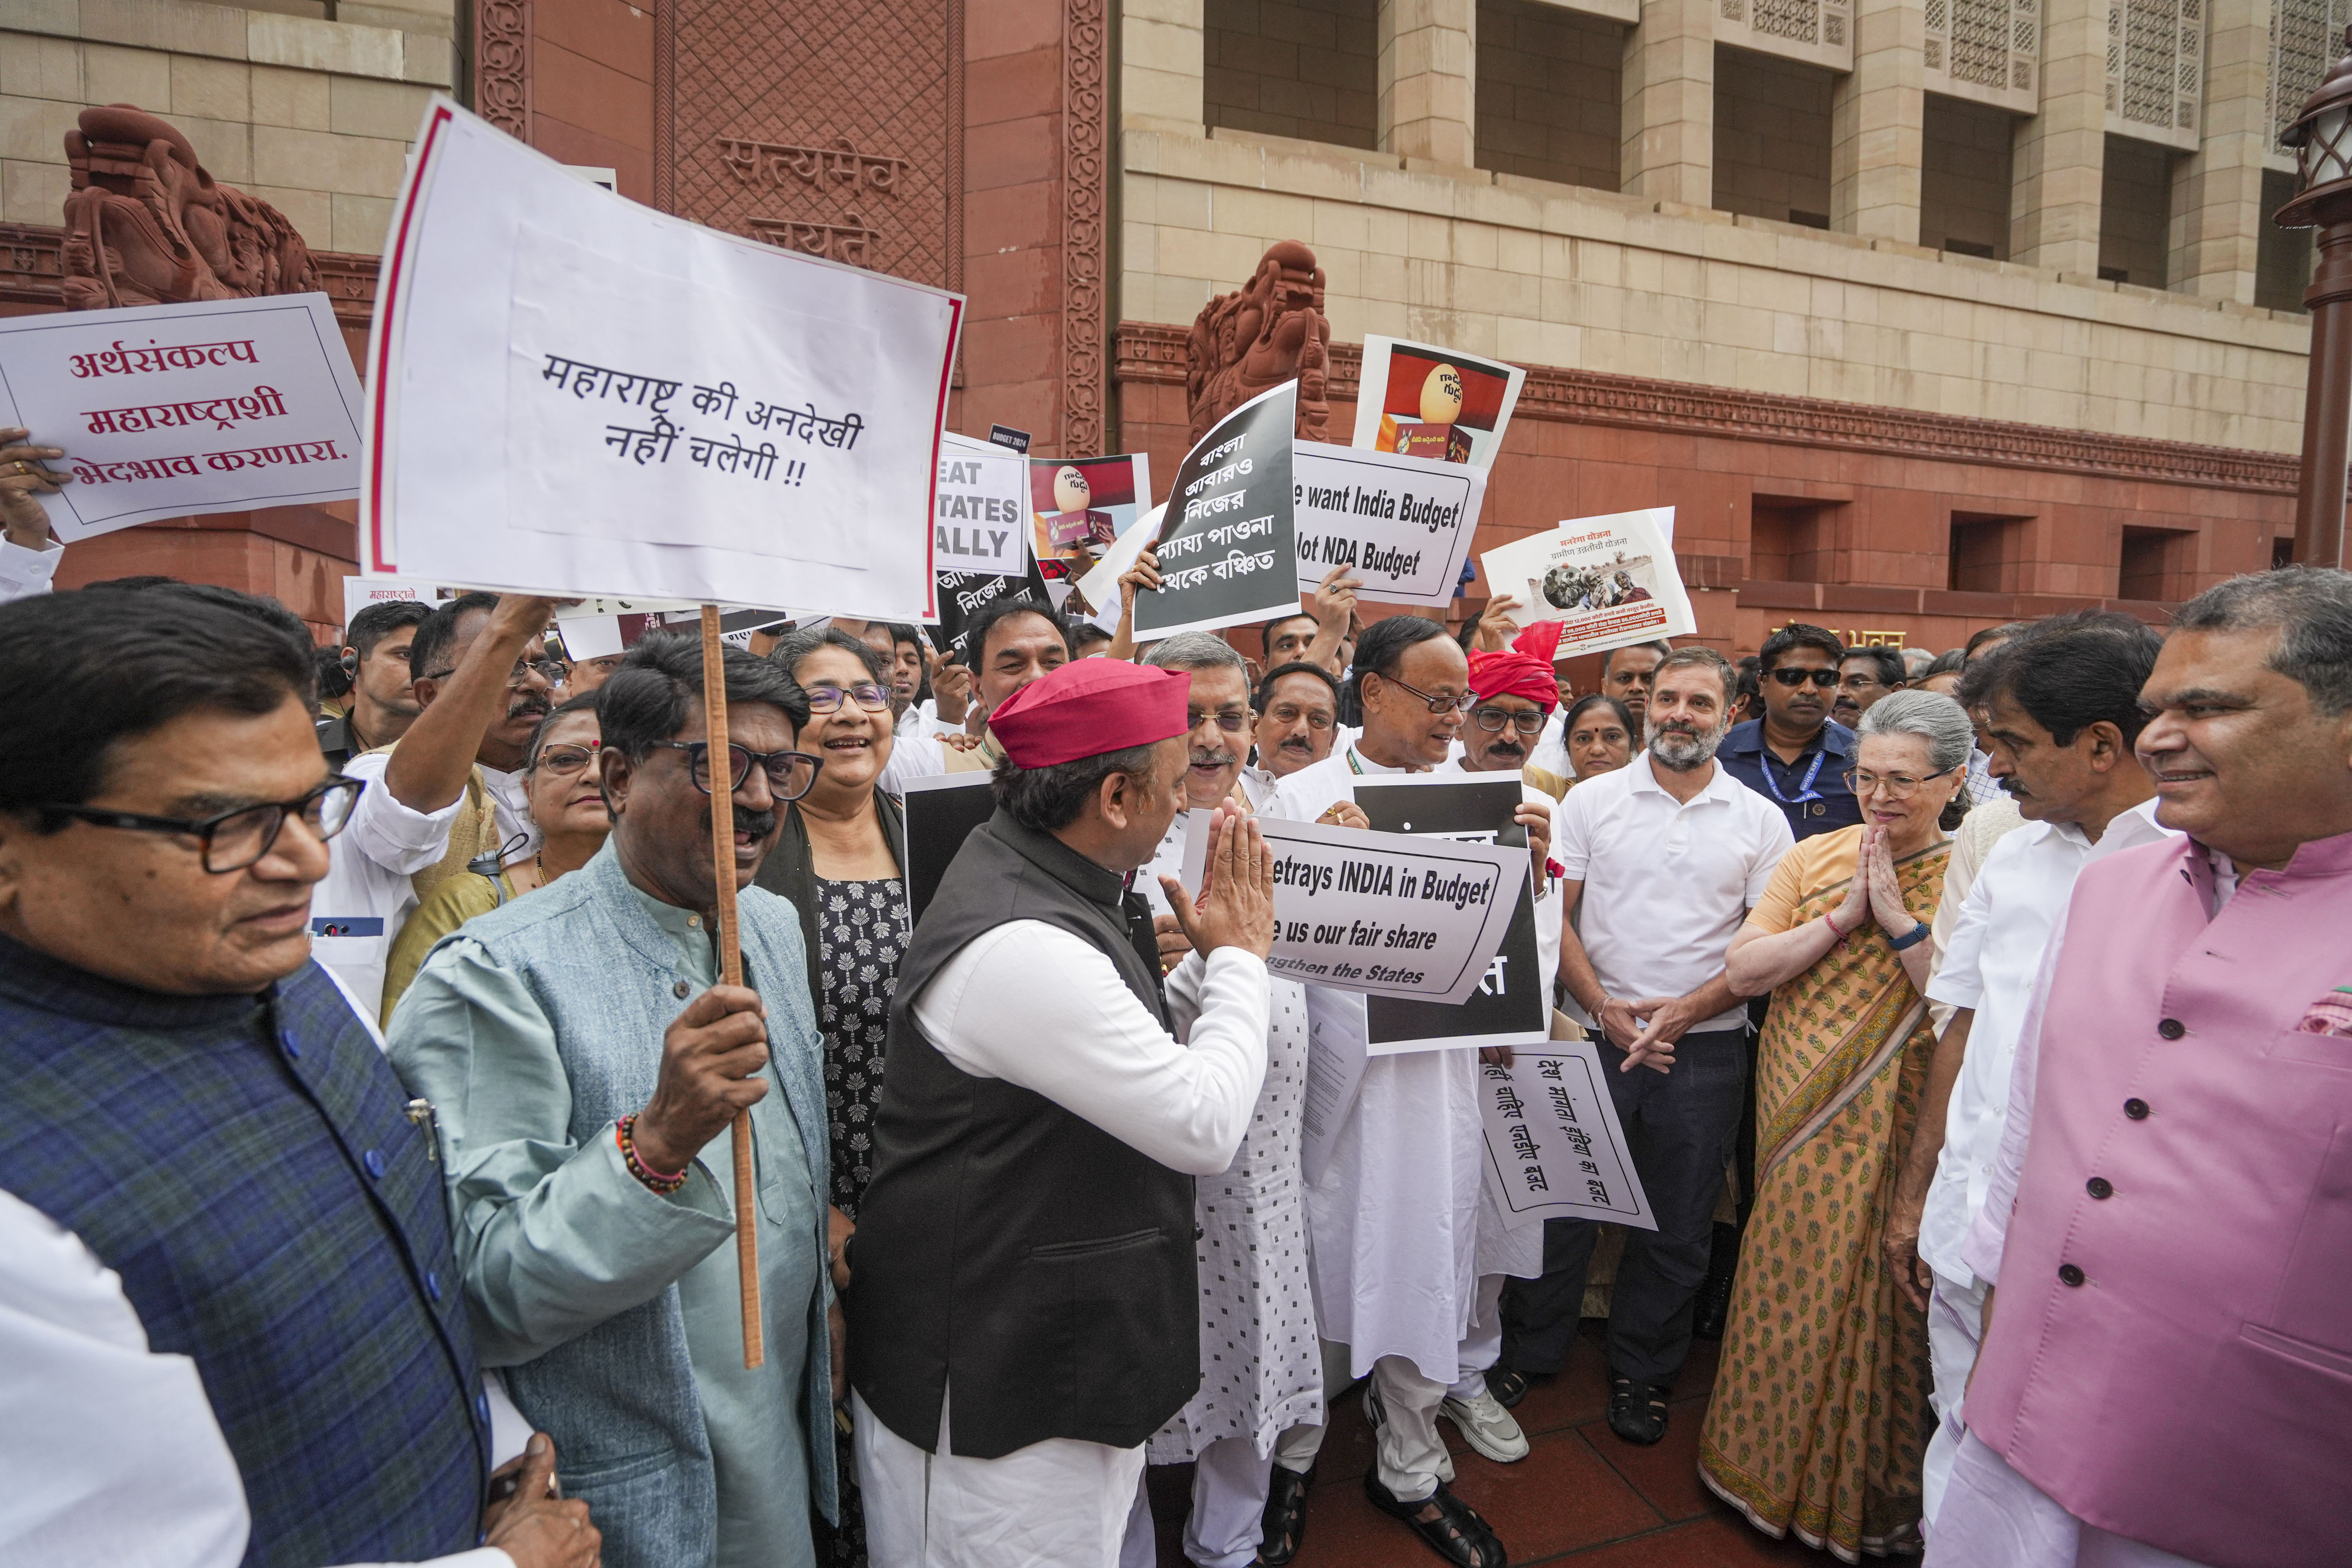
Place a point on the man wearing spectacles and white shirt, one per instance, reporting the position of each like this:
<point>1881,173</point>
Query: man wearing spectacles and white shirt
<point>1797,756</point>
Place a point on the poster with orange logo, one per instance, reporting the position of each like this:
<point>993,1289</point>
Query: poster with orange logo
<point>1425,401</point>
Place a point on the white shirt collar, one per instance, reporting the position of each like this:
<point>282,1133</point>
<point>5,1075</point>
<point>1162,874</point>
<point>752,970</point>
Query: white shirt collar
<point>1646,777</point>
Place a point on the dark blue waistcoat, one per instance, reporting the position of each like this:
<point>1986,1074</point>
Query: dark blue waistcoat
<point>246,1165</point>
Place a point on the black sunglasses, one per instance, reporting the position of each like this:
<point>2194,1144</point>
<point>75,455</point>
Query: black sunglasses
<point>790,773</point>
<point>1825,678</point>
<point>237,837</point>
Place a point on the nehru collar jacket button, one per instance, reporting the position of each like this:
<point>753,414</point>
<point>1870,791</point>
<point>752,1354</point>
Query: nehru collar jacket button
<point>2135,1109</point>
<point>373,1161</point>
<point>2171,1029</point>
<point>2099,1187</point>
<point>2069,1275</point>
<point>680,990</point>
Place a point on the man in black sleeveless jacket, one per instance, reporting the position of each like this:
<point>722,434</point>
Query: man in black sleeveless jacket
<point>1023,1307</point>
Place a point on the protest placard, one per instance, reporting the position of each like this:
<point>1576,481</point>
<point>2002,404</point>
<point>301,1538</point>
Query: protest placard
<point>982,506</point>
<point>942,812</point>
<point>1432,402</point>
<point>963,594</point>
<point>1226,537</point>
<point>570,393</point>
<point>164,410</point>
<point>1099,586</point>
<point>1610,581</point>
<point>1402,525</point>
<point>1508,1006</point>
<point>1336,1060</point>
<point>1006,435</point>
<point>1554,1147</point>
<point>360,590</point>
<point>1079,506</point>
<point>1388,914</point>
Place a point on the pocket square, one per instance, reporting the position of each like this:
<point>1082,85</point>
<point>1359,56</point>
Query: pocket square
<point>2331,1015</point>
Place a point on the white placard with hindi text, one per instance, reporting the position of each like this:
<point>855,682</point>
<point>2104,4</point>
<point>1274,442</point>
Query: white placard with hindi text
<point>360,590</point>
<point>1400,525</point>
<point>571,393</point>
<point>1388,914</point>
<point>165,410</point>
<point>1609,581</point>
<point>1554,1147</point>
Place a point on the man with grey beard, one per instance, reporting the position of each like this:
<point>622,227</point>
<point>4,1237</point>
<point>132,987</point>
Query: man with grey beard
<point>1666,858</point>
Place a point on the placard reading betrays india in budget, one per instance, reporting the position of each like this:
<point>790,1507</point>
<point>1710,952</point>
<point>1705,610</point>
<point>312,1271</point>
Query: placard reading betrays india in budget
<point>570,393</point>
<point>164,410</point>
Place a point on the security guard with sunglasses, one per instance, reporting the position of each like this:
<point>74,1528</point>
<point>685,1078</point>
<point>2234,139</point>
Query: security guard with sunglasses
<point>1796,756</point>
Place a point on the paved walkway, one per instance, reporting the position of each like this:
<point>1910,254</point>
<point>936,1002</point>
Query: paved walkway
<point>1583,1497</point>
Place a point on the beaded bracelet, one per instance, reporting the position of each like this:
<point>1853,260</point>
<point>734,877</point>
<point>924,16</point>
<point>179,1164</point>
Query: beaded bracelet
<point>655,1180</point>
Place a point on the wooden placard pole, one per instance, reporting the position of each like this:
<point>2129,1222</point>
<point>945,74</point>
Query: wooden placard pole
<point>730,968</point>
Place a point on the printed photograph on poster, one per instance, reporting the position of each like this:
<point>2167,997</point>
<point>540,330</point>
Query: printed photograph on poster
<point>1099,586</point>
<point>979,505</point>
<point>650,407</point>
<point>1508,1006</point>
<point>1079,506</point>
<point>1226,538</point>
<point>1609,581</point>
<point>1401,524</point>
<point>942,812</point>
<point>1386,914</point>
<point>1431,402</point>
<point>164,410</point>
<point>1554,1147</point>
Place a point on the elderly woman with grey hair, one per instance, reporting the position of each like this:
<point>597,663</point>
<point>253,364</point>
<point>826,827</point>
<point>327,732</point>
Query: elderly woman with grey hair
<point>1820,1418</point>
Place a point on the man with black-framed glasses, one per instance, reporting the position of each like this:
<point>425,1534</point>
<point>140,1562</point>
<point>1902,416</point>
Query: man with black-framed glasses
<point>1797,756</point>
<point>586,1063</point>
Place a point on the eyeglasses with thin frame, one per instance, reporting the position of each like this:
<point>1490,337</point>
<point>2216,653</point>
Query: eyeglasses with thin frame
<point>234,839</point>
<point>1231,720</point>
<point>1858,681</point>
<point>1899,786</point>
<point>1444,702</point>
<point>790,773</point>
<point>551,670</point>
<point>1786,676</point>
<point>828,698</point>
<point>566,759</point>
<point>1493,720</point>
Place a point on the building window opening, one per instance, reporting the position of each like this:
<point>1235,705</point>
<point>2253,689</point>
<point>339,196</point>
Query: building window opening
<point>1791,538</point>
<point>1307,69</point>
<point>2135,213</point>
<point>1987,554</point>
<point>1771,137</point>
<point>2155,565</point>
<point>2283,256</point>
<point>1547,94</point>
<point>1964,178</point>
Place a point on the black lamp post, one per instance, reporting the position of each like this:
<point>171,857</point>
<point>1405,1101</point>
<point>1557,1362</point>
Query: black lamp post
<point>2322,139</point>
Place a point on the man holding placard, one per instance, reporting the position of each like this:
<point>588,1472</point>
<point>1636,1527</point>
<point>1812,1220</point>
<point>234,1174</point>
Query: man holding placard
<point>1023,1301</point>
<point>586,1065</point>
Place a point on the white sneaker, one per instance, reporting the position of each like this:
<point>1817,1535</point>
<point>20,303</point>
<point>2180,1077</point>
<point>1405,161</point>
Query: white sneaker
<point>1487,1427</point>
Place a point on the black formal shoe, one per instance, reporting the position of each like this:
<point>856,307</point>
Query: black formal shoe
<point>1508,1385</point>
<point>1284,1528</point>
<point>1711,1312</point>
<point>1637,1411</point>
<point>1457,1534</point>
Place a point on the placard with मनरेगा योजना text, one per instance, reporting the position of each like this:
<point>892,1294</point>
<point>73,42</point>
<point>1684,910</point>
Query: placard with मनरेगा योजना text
<point>1401,525</point>
<point>1225,542</point>
<point>165,410</point>
<point>1554,1147</point>
<point>1609,581</point>
<point>1386,914</point>
<point>569,393</point>
<point>980,508</point>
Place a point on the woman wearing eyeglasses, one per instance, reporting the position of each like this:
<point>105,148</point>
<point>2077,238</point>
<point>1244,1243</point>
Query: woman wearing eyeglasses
<point>1821,1419</point>
<point>564,803</point>
<point>837,859</point>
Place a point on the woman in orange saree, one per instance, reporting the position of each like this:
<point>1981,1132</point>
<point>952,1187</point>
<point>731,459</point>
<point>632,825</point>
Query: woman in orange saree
<point>1820,1417</point>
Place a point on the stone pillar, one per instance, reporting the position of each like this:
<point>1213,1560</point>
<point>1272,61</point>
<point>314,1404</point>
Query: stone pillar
<point>1160,50</point>
<point>1666,98</point>
<point>1429,75</point>
<point>1878,122</point>
<point>2061,153</point>
<point>2216,192</point>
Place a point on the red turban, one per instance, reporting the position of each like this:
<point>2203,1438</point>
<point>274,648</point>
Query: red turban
<point>1514,675</point>
<point>1540,641</point>
<point>1090,706</point>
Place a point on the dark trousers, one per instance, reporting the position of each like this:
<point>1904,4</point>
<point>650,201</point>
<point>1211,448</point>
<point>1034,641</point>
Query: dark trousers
<point>1680,1128</point>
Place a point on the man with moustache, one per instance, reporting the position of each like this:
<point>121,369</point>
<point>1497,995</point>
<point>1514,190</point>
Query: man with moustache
<point>1393,1219</point>
<point>1008,643</point>
<point>383,702</point>
<point>2169,1225</point>
<point>1865,675</point>
<point>2059,708</point>
<point>1662,860</point>
<point>1297,719</point>
<point>586,1064</point>
<point>1797,756</point>
<point>450,792</point>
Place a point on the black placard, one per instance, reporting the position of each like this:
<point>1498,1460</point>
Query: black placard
<point>1006,435</point>
<point>1227,544</point>
<point>962,594</point>
<point>938,819</point>
<point>1473,808</point>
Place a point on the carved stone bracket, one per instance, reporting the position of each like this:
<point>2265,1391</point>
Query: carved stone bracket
<point>1086,56</point>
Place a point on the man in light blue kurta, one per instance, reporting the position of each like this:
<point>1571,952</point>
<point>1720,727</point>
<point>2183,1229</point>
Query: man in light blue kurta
<point>614,1307</point>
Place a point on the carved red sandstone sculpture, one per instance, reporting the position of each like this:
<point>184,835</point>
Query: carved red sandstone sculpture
<point>145,224</point>
<point>1271,330</point>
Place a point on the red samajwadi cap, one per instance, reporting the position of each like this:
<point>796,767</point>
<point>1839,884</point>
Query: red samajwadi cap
<point>1090,706</point>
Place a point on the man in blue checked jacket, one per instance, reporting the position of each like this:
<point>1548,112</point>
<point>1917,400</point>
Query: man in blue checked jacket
<point>229,1314</point>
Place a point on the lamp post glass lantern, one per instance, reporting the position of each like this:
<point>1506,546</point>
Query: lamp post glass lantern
<point>2322,139</point>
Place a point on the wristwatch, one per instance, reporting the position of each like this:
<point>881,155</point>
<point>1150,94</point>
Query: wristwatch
<point>1911,938</point>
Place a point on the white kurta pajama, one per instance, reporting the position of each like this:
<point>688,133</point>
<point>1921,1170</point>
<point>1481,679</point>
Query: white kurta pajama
<point>1036,1006</point>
